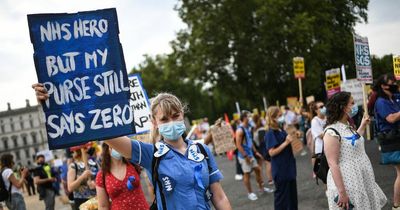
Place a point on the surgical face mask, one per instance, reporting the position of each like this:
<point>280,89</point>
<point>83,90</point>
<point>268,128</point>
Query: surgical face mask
<point>323,110</point>
<point>353,111</point>
<point>172,130</point>
<point>116,154</point>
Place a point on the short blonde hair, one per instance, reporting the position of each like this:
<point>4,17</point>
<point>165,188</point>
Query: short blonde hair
<point>167,104</point>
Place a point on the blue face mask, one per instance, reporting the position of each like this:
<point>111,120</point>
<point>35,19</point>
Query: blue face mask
<point>353,111</point>
<point>116,154</point>
<point>172,130</point>
<point>323,110</point>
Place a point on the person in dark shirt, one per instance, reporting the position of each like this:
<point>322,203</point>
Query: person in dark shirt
<point>44,181</point>
<point>282,162</point>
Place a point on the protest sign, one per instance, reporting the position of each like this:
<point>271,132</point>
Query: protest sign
<point>362,59</point>
<point>298,67</point>
<point>222,138</point>
<point>332,81</point>
<point>140,104</point>
<point>58,163</point>
<point>292,101</point>
<point>79,59</point>
<point>310,99</point>
<point>48,155</point>
<point>355,88</point>
<point>396,66</point>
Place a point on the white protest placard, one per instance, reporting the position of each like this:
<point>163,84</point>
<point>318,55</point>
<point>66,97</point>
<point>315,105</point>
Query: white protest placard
<point>362,59</point>
<point>48,155</point>
<point>58,162</point>
<point>140,104</point>
<point>222,138</point>
<point>355,88</point>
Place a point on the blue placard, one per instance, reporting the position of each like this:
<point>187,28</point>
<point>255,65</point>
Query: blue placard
<point>79,59</point>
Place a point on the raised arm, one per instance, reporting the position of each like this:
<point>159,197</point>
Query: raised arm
<point>276,150</point>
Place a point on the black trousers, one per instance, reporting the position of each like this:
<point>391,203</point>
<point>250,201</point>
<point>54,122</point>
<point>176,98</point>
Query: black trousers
<point>285,196</point>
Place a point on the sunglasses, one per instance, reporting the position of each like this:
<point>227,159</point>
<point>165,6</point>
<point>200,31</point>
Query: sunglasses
<point>129,183</point>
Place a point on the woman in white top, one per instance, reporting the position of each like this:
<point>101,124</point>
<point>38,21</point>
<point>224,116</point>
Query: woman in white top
<point>317,129</point>
<point>350,179</point>
<point>16,202</point>
<point>317,126</point>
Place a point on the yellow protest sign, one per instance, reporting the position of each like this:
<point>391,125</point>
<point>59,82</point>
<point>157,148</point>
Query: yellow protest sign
<point>298,67</point>
<point>396,66</point>
<point>332,81</point>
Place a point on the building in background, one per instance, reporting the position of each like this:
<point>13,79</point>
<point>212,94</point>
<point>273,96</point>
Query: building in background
<point>23,132</point>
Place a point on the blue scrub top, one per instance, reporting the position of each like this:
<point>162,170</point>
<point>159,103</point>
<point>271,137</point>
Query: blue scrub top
<point>177,174</point>
<point>283,164</point>
<point>384,107</point>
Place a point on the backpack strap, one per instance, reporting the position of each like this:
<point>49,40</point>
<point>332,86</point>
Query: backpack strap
<point>203,151</point>
<point>336,132</point>
<point>156,182</point>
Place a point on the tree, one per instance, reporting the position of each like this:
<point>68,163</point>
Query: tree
<point>244,50</point>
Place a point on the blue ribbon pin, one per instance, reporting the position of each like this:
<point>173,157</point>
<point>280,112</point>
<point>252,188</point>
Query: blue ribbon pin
<point>353,138</point>
<point>198,177</point>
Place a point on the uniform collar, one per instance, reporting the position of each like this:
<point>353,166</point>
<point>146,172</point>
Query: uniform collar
<point>191,150</point>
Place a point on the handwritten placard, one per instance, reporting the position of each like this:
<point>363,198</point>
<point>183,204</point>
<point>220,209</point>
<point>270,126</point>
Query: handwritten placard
<point>140,104</point>
<point>222,138</point>
<point>79,59</point>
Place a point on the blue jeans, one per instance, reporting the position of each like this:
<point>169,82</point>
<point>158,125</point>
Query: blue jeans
<point>17,202</point>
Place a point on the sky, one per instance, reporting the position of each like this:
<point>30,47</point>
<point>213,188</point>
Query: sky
<point>146,27</point>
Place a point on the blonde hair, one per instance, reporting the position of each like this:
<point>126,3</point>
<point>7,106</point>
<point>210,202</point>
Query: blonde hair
<point>167,104</point>
<point>272,113</point>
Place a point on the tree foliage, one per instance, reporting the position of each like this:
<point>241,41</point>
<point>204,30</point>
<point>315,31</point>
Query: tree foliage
<point>243,50</point>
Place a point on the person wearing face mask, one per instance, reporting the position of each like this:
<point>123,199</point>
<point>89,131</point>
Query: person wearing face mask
<point>387,119</point>
<point>317,128</point>
<point>283,163</point>
<point>187,176</point>
<point>350,179</point>
<point>44,182</point>
<point>118,183</point>
<point>12,184</point>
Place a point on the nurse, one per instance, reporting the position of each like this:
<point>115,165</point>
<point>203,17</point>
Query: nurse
<point>186,178</point>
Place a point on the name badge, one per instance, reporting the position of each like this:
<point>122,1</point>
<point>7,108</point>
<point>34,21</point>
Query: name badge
<point>194,155</point>
<point>168,183</point>
<point>161,149</point>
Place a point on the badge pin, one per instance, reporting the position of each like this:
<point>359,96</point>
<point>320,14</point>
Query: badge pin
<point>194,155</point>
<point>161,149</point>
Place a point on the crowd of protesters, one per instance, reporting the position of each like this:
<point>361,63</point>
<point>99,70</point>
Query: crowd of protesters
<point>182,173</point>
